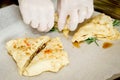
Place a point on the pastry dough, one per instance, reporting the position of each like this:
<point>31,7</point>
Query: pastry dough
<point>36,55</point>
<point>100,27</point>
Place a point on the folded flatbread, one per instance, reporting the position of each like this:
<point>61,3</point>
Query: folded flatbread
<point>25,51</point>
<point>100,26</point>
<point>51,58</point>
<point>65,30</point>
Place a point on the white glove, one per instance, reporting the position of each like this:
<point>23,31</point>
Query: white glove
<point>78,11</point>
<point>38,13</point>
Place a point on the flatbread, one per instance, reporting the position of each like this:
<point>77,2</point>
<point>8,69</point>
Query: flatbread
<point>65,30</point>
<point>36,55</point>
<point>100,26</point>
<point>51,58</point>
<point>22,50</point>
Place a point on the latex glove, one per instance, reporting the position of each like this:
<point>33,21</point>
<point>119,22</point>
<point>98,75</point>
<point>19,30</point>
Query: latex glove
<point>78,11</point>
<point>38,13</point>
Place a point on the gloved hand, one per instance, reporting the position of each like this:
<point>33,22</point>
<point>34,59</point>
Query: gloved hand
<point>38,13</point>
<point>78,11</point>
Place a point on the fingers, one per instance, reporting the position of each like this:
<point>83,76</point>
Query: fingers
<point>35,19</point>
<point>50,25</point>
<point>73,20</point>
<point>90,10</point>
<point>25,13</point>
<point>26,20</point>
<point>42,24</point>
<point>61,20</point>
<point>82,15</point>
<point>34,24</point>
<point>42,20</point>
<point>89,7</point>
<point>50,21</point>
<point>25,16</point>
<point>46,22</point>
<point>39,14</point>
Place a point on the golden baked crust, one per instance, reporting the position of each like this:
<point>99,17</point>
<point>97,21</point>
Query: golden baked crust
<point>51,58</point>
<point>100,27</point>
<point>36,55</point>
<point>22,50</point>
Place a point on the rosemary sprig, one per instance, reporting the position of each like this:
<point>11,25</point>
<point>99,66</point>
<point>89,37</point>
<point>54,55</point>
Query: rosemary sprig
<point>91,40</point>
<point>116,22</point>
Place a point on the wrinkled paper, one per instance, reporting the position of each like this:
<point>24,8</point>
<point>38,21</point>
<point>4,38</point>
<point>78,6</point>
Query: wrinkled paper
<point>89,62</point>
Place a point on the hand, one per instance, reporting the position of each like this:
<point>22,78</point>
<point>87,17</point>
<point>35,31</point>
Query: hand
<point>38,13</point>
<point>78,11</point>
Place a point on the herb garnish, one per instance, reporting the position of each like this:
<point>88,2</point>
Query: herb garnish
<point>116,22</point>
<point>53,29</point>
<point>91,40</point>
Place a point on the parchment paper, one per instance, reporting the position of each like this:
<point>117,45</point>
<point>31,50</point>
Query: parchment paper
<point>89,62</point>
